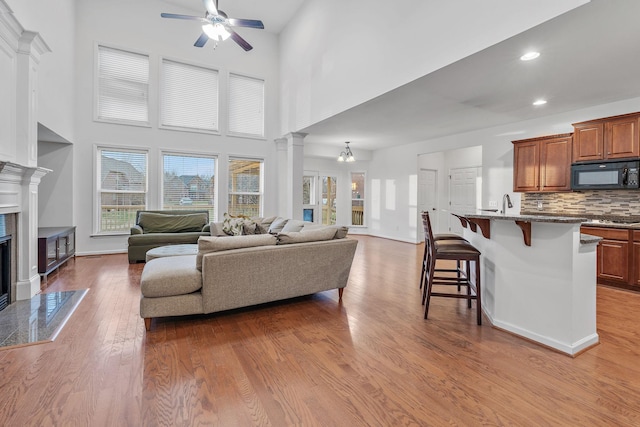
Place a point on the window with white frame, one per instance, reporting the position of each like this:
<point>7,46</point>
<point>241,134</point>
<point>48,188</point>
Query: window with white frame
<point>245,187</point>
<point>246,106</point>
<point>189,97</point>
<point>357,198</point>
<point>188,182</point>
<point>122,86</point>
<point>122,188</point>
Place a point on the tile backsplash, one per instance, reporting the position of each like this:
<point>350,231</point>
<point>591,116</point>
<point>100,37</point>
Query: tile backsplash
<point>588,202</point>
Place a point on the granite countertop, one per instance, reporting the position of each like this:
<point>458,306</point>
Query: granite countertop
<point>522,217</point>
<point>610,221</point>
<point>588,238</point>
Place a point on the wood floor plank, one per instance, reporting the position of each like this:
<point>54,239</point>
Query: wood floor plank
<point>370,359</point>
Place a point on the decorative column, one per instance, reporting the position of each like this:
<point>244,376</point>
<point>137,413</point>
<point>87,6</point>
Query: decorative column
<point>295,170</point>
<point>30,48</point>
<point>28,283</point>
<point>281,160</point>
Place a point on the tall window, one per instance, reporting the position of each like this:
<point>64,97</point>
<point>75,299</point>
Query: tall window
<point>122,86</point>
<point>245,187</point>
<point>357,198</point>
<point>246,106</point>
<point>189,182</point>
<point>122,188</point>
<point>189,97</point>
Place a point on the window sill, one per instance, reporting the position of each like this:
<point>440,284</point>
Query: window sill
<point>191,130</point>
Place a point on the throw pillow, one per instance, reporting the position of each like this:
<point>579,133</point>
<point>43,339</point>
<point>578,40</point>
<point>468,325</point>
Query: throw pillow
<point>293,225</point>
<point>277,225</point>
<point>233,226</point>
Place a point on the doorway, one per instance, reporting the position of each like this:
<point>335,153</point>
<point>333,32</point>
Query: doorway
<point>463,191</point>
<point>428,197</point>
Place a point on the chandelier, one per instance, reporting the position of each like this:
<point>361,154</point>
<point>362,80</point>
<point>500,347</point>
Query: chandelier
<point>346,155</point>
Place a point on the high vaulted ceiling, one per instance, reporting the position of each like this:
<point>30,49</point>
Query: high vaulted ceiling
<point>274,14</point>
<point>589,56</point>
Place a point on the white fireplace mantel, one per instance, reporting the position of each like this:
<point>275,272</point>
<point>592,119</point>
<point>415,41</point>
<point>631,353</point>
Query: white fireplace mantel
<point>20,52</point>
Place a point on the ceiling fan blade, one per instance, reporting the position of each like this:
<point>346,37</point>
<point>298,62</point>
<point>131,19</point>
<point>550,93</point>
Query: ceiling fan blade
<point>187,17</point>
<point>249,23</point>
<point>242,42</point>
<point>201,40</point>
<point>211,6</point>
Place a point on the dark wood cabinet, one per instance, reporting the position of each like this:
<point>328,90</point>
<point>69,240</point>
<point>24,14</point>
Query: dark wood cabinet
<point>635,259</point>
<point>56,245</point>
<point>542,164</point>
<point>608,138</point>
<point>618,256</point>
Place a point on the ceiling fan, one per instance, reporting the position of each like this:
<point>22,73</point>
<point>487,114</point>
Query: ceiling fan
<point>216,25</point>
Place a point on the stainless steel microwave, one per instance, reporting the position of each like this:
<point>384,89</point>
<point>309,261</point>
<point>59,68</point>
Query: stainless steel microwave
<point>605,175</point>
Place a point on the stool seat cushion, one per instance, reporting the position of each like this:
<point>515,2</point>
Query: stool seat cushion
<point>455,247</point>
<point>447,236</point>
<point>170,276</point>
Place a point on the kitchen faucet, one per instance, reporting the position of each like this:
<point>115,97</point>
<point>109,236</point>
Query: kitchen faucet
<point>506,202</point>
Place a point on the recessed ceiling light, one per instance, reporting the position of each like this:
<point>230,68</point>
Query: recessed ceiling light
<point>539,102</point>
<point>529,56</point>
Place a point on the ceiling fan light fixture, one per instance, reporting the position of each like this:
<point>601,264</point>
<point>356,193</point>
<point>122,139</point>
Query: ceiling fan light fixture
<point>216,31</point>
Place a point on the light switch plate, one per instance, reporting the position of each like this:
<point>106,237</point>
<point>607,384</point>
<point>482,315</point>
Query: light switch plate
<point>493,204</point>
<point>539,205</point>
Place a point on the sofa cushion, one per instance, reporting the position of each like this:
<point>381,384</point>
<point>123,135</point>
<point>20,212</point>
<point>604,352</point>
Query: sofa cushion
<point>170,276</point>
<point>340,230</point>
<point>152,222</point>
<point>306,236</point>
<point>294,225</point>
<point>216,244</point>
<point>277,225</point>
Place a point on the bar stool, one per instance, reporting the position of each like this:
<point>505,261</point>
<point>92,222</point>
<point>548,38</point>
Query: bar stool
<point>458,251</point>
<point>437,237</point>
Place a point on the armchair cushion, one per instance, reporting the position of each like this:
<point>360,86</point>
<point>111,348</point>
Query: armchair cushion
<point>152,222</point>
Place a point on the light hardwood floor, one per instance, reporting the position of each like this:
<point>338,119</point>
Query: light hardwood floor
<point>371,360</point>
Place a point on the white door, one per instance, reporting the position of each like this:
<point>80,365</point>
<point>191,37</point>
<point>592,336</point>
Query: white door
<point>428,198</point>
<point>310,208</point>
<point>462,194</point>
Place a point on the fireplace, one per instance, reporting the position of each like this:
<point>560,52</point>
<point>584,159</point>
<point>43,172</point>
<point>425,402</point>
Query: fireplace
<point>5,271</point>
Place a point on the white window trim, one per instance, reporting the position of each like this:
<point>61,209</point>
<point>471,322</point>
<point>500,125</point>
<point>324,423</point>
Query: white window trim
<point>260,193</point>
<point>161,97</point>
<point>173,152</point>
<point>364,199</point>
<point>97,201</point>
<point>262,137</point>
<point>96,79</point>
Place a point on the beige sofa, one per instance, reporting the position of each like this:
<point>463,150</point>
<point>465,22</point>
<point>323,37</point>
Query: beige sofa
<point>241,271</point>
<point>167,227</point>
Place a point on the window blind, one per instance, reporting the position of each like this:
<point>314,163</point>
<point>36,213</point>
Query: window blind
<point>122,188</point>
<point>246,105</point>
<point>189,96</point>
<point>123,86</point>
<point>189,182</point>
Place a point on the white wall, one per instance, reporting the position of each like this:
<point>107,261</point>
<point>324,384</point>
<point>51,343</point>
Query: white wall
<point>392,171</point>
<point>338,54</point>
<point>443,162</point>
<point>55,195</point>
<point>342,171</point>
<point>55,21</point>
<point>142,29</point>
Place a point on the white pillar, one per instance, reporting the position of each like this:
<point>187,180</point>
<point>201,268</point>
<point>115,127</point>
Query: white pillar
<point>295,169</point>
<point>282,167</point>
<point>30,48</point>
<point>28,283</point>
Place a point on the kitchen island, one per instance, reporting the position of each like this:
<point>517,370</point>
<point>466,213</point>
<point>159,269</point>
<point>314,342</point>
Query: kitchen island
<point>538,277</point>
